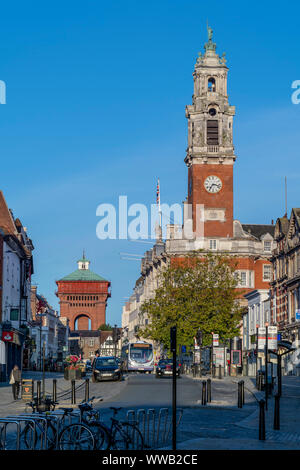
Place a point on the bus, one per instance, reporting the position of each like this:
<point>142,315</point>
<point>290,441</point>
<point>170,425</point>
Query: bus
<point>138,357</point>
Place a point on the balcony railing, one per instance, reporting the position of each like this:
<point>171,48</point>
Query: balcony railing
<point>212,148</point>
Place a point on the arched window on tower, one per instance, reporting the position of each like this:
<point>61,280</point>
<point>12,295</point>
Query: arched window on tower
<point>211,84</point>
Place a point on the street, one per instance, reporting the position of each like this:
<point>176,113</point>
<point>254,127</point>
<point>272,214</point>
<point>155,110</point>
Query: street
<point>217,425</point>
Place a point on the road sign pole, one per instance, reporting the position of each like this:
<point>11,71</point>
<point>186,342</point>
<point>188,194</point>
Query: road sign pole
<point>266,368</point>
<point>174,397</point>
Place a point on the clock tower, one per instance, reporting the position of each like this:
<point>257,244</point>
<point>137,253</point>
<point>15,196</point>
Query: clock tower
<point>210,152</point>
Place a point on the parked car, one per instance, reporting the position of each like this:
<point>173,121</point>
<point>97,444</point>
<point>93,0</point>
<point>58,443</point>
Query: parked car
<point>164,368</point>
<point>106,368</point>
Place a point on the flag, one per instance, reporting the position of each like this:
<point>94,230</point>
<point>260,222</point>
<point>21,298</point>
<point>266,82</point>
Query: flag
<point>157,193</point>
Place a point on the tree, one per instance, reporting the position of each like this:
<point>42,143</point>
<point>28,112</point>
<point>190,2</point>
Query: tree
<point>197,291</point>
<point>105,327</point>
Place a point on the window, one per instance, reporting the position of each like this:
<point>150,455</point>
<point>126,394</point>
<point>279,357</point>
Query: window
<point>14,314</point>
<point>212,244</point>
<point>243,278</point>
<point>92,342</point>
<point>212,132</point>
<point>211,84</point>
<point>267,246</point>
<point>267,270</point>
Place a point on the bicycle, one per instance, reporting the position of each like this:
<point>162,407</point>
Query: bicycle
<point>32,434</point>
<point>90,434</point>
<point>124,435</point>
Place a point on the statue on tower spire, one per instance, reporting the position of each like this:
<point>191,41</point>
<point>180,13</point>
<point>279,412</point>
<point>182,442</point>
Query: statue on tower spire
<point>209,32</point>
<point>210,45</point>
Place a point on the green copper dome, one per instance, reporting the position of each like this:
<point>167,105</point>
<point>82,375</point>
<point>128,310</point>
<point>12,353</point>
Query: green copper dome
<point>83,275</point>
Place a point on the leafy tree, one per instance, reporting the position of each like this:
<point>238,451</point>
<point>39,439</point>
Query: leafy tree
<point>197,291</point>
<point>105,327</point>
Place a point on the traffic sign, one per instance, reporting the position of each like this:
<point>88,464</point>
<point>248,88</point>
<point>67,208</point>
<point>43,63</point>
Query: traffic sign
<point>272,337</point>
<point>215,339</point>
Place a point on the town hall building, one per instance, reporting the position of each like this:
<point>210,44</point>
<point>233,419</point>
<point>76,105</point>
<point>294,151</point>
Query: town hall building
<point>209,222</point>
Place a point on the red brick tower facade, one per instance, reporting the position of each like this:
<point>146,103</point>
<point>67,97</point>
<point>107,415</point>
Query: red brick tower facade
<point>209,216</point>
<point>83,297</point>
<point>210,153</point>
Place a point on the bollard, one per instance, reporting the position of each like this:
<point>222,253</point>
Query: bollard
<point>208,391</point>
<point>240,402</point>
<point>73,399</point>
<point>277,412</point>
<point>194,370</point>
<point>199,370</point>
<point>54,395</point>
<point>203,393</point>
<point>87,389</point>
<point>243,392</point>
<point>220,371</point>
<point>38,391</point>
<point>262,428</point>
<point>214,371</point>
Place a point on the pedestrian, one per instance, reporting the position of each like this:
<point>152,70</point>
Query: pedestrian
<point>14,380</point>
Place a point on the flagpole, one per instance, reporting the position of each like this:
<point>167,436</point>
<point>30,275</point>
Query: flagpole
<point>159,208</point>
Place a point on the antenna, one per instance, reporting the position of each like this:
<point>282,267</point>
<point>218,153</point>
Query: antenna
<point>285,181</point>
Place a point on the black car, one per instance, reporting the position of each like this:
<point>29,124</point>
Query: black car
<point>164,368</point>
<point>106,368</point>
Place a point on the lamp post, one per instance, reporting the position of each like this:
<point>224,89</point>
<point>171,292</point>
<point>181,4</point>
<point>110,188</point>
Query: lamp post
<point>257,326</point>
<point>42,369</point>
<point>266,366</point>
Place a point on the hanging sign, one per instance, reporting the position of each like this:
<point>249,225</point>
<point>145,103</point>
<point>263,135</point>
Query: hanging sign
<point>272,337</point>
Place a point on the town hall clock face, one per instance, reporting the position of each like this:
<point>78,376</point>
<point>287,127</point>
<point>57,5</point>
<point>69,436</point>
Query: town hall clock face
<point>213,184</point>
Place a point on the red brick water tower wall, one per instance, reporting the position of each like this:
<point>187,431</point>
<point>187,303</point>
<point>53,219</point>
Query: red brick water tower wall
<point>83,301</point>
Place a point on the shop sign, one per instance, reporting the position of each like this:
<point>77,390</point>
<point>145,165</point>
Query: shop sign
<point>7,336</point>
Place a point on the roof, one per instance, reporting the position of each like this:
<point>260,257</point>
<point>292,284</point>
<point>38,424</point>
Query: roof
<point>85,333</point>
<point>7,223</point>
<point>83,275</point>
<point>258,230</point>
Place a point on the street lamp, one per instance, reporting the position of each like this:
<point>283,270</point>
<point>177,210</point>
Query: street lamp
<point>42,315</point>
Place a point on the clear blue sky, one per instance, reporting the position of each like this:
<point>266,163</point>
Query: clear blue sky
<point>96,96</point>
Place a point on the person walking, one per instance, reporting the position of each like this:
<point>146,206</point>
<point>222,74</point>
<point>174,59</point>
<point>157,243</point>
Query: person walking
<point>14,380</point>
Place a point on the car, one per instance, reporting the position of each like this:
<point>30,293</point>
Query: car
<point>88,365</point>
<point>164,368</point>
<point>106,368</point>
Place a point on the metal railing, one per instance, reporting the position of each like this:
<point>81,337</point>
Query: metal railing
<point>155,425</point>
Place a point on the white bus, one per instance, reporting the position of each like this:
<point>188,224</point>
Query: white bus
<point>138,357</point>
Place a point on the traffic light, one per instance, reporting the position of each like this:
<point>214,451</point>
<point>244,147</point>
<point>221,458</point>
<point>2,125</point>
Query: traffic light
<point>199,337</point>
<point>115,334</point>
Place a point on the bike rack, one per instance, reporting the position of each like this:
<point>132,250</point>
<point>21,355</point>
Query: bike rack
<point>154,431</point>
<point>33,419</point>
<point>180,413</point>
<point>141,414</point>
<point>16,420</point>
<point>165,412</point>
<point>150,413</point>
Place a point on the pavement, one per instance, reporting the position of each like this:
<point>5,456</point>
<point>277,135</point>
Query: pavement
<point>286,438</point>
<point>100,390</point>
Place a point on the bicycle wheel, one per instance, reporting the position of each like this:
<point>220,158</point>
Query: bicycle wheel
<point>101,435</point>
<point>76,436</point>
<point>32,440</point>
<point>127,437</point>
